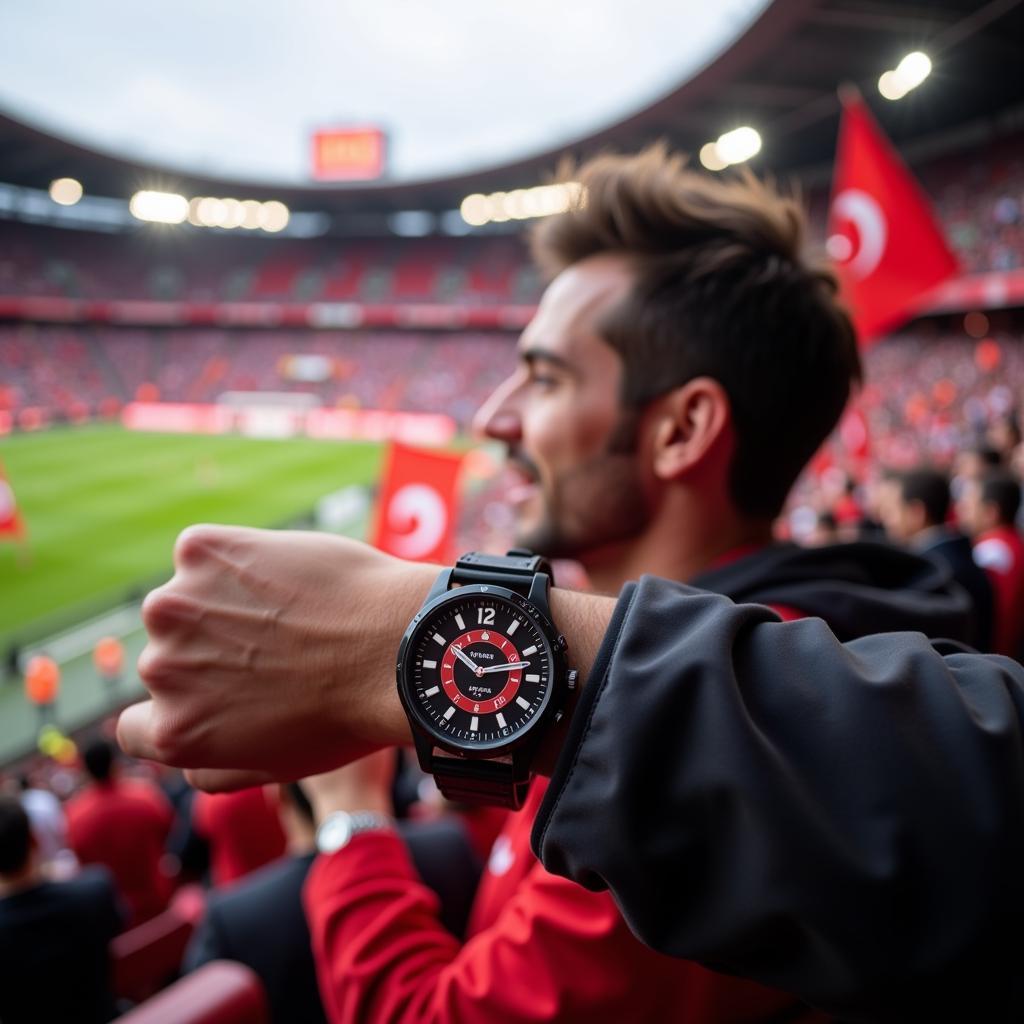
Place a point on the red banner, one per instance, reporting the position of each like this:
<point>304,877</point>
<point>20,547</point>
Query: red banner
<point>888,247</point>
<point>417,510</point>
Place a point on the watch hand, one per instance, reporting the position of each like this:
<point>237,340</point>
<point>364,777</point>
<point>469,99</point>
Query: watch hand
<point>464,658</point>
<point>506,668</point>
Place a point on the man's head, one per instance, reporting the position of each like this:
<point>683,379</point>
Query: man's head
<point>920,500</point>
<point>15,837</point>
<point>992,501</point>
<point>683,341</point>
<point>99,758</point>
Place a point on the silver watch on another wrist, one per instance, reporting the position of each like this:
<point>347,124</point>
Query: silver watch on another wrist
<point>338,828</point>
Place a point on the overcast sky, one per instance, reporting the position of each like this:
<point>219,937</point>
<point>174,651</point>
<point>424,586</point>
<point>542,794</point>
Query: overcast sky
<point>235,88</point>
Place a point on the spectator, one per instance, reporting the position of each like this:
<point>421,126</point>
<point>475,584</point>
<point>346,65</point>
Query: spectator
<point>54,964</point>
<point>122,824</point>
<point>916,515</point>
<point>988,511</point>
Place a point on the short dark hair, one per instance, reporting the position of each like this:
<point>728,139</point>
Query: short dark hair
<point>722,289</point>
<point>15,835</point>
<point>99,757</point>
<point>988,456</point>
<point>931,488</point>
<point>1003,491</point>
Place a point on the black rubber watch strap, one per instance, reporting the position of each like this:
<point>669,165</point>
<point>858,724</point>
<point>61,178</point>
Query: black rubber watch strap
<point>475,782</point>
<point>514,570</point>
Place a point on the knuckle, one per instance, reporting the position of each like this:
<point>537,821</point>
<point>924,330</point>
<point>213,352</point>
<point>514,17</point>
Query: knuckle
<point>194,544</point>
<point>166,609</point>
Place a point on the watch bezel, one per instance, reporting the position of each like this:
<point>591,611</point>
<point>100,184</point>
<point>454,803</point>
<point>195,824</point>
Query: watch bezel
<point>553,699</point>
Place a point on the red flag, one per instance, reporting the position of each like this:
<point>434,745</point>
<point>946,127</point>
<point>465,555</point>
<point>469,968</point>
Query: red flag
<point>11,525</point>
<point>418,506</point>
<point>888,247</point>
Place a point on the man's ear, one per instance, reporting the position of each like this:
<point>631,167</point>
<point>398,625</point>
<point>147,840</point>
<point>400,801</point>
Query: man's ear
<point>693,424</point>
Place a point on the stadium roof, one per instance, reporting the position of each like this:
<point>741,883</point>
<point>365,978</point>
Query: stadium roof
<point>779,76</point>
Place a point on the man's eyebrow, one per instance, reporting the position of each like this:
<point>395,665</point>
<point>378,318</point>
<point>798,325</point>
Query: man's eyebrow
<point>536,354</point>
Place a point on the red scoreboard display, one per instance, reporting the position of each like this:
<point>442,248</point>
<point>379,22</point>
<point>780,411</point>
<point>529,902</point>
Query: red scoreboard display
<point>348,154</point>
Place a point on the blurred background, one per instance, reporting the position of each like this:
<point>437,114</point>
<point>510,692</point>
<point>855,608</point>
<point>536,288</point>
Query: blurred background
<point>243,248</point>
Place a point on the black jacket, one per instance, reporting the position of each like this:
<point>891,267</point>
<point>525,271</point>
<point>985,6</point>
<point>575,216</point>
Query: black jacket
<point>845,822</point>
<point>54,963</point>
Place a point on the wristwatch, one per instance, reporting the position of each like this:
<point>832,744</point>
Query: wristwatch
<point>338,829</point>
<point>483,676</point>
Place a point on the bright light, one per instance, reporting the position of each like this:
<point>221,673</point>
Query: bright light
<point>475,209</point>
<point>65,191</point>
<point>710,159</point>
<point>891,86</point>
<point>914,69</point>
<point>909,74</point>
<point>521,204</point>
<point>274,216</point>
<point>159,207</point>
<point>739,145</point>
<point>251,211</point>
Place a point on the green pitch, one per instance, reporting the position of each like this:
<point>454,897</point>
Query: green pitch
<point>103,506</point>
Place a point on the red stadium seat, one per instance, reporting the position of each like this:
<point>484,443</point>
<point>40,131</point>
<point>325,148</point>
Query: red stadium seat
<point>221,992</point>
<point>148,956</point>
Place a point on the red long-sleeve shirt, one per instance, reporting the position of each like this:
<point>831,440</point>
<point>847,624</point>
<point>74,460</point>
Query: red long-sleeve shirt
<point>123,824</point>
<point>540,948</point>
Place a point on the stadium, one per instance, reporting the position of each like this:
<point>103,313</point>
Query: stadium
<point>299,332</point>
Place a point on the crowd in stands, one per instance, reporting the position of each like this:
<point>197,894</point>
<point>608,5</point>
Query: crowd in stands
<point>54,374</point>
<point>979,199</point>
<point>86,878</point>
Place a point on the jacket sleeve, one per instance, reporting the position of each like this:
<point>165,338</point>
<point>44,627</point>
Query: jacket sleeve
<point>555,952</point>
<point>843,821</point>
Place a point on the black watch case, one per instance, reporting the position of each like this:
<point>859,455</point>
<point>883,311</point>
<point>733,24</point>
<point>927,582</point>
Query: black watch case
<point>482,671</point>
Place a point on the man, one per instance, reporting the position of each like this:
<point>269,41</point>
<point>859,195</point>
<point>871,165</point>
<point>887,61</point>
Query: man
<point>650,433</point>
<point>54,963</point>
<point>122,824</point>
<point>988,508</point>
<point>915,514</point>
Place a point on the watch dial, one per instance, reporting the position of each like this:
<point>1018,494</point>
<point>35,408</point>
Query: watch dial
<point>479,670</point>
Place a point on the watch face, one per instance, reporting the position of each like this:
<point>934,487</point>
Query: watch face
<point>477,669</point>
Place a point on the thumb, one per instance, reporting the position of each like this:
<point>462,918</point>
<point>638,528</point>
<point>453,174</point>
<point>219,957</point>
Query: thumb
<point>135,731</point>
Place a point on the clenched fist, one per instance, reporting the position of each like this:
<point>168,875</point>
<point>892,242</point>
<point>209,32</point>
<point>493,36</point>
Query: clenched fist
<point>272,654</point>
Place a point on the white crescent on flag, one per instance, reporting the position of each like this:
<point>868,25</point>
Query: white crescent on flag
<point>418,515</point>
<point>863,211</point>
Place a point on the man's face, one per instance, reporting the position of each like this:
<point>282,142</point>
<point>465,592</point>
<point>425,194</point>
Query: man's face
<point>970,511</point>
<point>570,442</point>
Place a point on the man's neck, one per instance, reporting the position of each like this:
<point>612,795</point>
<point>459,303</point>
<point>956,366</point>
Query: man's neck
<point>674,547</point>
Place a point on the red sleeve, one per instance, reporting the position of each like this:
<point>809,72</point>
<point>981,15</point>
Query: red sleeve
<point>556,952</point>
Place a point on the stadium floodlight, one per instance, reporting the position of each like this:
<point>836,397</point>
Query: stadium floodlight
<point>521,203</point>
<point>274,216</point>
<point>710,158</point>
<point>914,69</point>
<point>909,74</point>
<point>158,207</point>
<point>251,211</point>
<point>739,145</point>
<point>65,191</point>
<point>891,87</point>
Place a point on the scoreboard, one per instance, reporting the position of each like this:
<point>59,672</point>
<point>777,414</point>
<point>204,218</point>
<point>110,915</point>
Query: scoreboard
<point>349,154</point>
